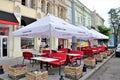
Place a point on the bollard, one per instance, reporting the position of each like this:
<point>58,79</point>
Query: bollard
<point>61,77</point>
<point>96,61</point>
<point>1,70</point>
<point>84,68</point>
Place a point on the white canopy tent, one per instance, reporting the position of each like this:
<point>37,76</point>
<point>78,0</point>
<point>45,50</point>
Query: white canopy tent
<point>90,34</point>
<point>100,35</point>
<point>48,27</point>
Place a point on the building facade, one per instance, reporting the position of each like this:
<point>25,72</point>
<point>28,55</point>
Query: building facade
<point>26,12</point>
<point>96,19</point>
<point>82,13</point>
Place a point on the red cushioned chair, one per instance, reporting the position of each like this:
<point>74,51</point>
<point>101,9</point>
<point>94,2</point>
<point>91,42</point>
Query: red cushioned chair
<point>77,52</point>
<point>61,60</point>
<point>66,50</point>
<point>95,50</point>
<point>87,52</point>
<point>103,48</point>
<point>27,56</point>
<point>47,52</point>
<point>70,59</point>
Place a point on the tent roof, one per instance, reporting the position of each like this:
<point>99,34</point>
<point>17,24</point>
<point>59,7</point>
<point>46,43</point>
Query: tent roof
<point>100,35</point>
<point>50,26</point>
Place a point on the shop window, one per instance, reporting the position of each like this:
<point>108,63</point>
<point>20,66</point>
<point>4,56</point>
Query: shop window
<point>27,43</point>
<point>4,31</point>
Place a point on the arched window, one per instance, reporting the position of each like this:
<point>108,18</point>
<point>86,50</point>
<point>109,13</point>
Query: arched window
<point>43,5</point>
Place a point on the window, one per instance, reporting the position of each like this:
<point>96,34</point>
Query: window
<point>4,31</point>
<point>58,12</point>
<point>48,8</point>
<point>43,6</point>
<point>45,42</point>
<point>69,15</point>
<point>23,2</point>
<point>27,43</point>
<point>62,12</point>
<point>10,0</point>
<point>32,3</point>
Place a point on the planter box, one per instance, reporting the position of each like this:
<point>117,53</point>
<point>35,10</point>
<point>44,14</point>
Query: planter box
<point>104,54</point>
<point>15,72</point>
<point>73,72</point>
<point>37,76</point>
<point>108,52</point>
<point>99,57</point>
<point>90,62</point>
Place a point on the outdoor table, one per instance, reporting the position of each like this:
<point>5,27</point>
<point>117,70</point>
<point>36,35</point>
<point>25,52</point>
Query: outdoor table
<point>72,54</point>
<point>38,54</point>
<point>60,51</point>
<point>44,59</point>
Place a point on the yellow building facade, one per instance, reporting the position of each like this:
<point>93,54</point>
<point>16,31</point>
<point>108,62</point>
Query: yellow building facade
<point>26,12</point>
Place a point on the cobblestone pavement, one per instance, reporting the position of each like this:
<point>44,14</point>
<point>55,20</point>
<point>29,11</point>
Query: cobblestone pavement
<point>109,71</point>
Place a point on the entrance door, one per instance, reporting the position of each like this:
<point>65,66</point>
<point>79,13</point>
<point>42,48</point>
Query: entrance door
<point>3,46</point>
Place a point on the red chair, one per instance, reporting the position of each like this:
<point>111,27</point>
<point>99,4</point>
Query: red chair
<point>89,51</point>
<point>70,59</point>
<point>66,50</point>
<point>61,60</point>
<point>102,48</point>
<point>47,52</point>
<point>78,52</point>
<point>95,50</point>
<point>27,56</point>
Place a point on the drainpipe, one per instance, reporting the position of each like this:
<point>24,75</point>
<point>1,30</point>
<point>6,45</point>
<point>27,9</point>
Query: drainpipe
<point>74,40</point>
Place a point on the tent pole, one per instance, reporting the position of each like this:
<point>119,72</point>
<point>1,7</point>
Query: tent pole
<point>50,39</point>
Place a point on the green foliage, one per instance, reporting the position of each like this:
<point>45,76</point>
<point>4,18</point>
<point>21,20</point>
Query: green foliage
<point>104,30</point>
<point>115,22</point>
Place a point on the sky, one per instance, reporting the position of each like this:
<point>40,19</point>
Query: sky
<point>102,7</point>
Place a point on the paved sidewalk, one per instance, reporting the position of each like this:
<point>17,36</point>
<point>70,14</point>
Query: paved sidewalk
<point>12,61</point>
<point>98,66</point>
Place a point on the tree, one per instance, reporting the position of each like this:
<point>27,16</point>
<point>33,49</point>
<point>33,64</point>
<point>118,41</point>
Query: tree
<point>115,23</point>
<point>104,30</point>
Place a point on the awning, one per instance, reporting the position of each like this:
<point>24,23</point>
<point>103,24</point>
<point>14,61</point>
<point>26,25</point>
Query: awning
<point>8,18</point>
<point>26,20</point>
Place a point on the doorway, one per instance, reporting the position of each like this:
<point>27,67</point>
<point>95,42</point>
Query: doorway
<point>3,46</point>
<point>63,43</point>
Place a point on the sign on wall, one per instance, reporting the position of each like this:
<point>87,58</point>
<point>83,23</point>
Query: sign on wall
<point>111,41</point>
